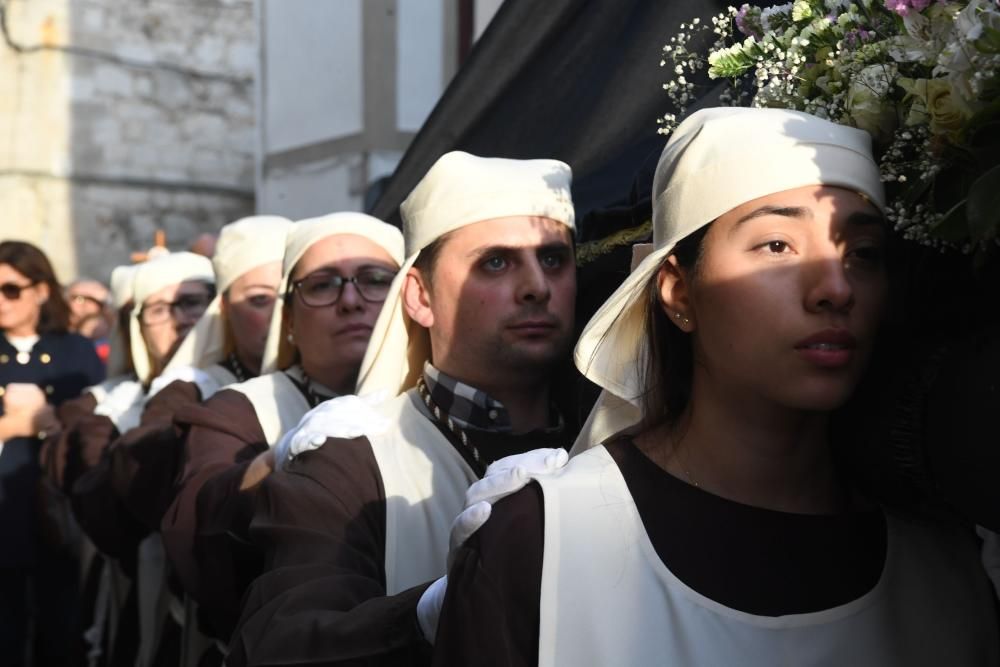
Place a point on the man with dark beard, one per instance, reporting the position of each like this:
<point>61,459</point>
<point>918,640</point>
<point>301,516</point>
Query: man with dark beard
<point>474,326</point>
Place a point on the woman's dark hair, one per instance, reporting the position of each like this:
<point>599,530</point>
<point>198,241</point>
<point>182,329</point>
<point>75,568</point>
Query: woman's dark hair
<point>32,263</point>
<point>667,370</point>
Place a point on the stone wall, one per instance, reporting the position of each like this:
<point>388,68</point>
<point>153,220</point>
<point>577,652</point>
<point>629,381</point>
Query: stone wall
<point>120,118</point>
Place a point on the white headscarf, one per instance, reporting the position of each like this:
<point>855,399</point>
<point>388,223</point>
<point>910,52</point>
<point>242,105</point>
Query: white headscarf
<point>716,160</point>
<point>121,294</point>
<point>243,246</point>
<point>459,190</point>
<point>302,235</point>
<point>151,277</point>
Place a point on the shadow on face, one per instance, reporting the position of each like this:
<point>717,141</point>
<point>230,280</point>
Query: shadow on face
<point>500,303</point>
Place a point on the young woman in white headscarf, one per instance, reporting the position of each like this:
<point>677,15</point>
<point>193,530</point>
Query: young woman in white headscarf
<point>335,275</point>
<point>706,518</point>
<point>169,293</point>
<point>225,347</point>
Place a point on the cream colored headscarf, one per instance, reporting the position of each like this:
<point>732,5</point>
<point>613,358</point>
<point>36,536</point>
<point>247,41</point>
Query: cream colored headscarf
<point>121,294</point>
<point>150,277</point>
<point>459,190</point>
<point>243,246</point>
<point>278,352</point>
<point>715,160</point>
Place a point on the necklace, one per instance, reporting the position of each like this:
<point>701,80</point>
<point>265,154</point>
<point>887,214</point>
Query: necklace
<point>237,368</point>
<point>447,421</point>
<point>312,396</point>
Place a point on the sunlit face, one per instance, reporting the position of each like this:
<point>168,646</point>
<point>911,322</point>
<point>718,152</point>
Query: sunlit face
<point>788,297</point>
<point>336,335</point>
<point>501,299</point>
<point>88,308</point>
<point>19,316</point>
<point>168,314</point>
<point>247,306</point>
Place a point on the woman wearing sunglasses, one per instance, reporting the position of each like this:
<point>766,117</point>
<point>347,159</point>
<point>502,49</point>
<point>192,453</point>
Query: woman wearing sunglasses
<point>335,275</point>
<point>41,366</point>
<point>708,516</point>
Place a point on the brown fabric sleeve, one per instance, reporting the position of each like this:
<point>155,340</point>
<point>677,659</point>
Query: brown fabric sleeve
<point>55,449</point>
<point>98,509</point>
<point>491,608</point>
<point>146,461</point>
<point>322,597</point>
<point>204,528</point>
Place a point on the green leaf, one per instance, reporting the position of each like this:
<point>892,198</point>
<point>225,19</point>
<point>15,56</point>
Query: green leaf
<point>983,206</point>
<point>952,227</point>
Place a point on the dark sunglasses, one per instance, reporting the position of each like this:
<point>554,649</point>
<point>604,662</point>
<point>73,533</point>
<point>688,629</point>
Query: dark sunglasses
<point>12,291</point>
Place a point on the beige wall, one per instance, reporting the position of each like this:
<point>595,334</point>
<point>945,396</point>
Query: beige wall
<point>123,118</point>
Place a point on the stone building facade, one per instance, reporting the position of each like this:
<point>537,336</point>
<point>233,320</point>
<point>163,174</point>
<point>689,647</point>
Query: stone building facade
<point>121,118</point>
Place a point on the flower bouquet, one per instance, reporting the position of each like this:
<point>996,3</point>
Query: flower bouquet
<point>920,75</point>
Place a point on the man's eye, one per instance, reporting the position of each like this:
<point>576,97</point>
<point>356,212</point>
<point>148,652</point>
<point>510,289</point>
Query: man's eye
<point>552,260</point>
<point>494,263</point>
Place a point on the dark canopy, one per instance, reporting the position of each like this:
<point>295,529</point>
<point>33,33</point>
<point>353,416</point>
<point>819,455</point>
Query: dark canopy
<point>575,80</point>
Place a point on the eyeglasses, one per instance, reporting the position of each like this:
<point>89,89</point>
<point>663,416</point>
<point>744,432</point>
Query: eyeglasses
<point>84,299</point>
<point>12,291</point>
<point>191,305</point>
<point>324,288</point>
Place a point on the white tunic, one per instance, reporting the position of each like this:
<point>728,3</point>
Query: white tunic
<point>608,599</point>
<point>425,479</point>
<point>279,404</point>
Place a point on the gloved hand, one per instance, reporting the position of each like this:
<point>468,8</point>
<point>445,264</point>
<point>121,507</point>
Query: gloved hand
<point>341,417</point>
<point>503,477</point>
<point>207,385</point>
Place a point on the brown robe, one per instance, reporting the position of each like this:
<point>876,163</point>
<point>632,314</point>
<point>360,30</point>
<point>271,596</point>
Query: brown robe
<point>205,527</point>
<point>322,598</point>
<point>104,494</point>
<point>756,560</point>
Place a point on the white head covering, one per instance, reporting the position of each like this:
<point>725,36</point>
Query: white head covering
<point>302,235</point>
<point>121,294</point>
<point>121,285</point>
<point>150,277</point>
<point>243,246</point>
<point>459,190</point>
<point>716,160</point>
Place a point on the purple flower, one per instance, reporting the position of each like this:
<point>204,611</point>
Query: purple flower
<point>904,7</point>
<point>901,7</point>
<point>742,24</point>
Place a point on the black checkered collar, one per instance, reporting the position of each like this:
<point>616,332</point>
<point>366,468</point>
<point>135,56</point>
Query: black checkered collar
<point>472,409</point>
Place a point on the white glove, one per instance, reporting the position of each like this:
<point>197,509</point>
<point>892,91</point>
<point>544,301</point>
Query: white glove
<point>123,405</point>
<point>429,607</point>
<point>207,385</point>
<point>341,417</point>
<point>503,477</point>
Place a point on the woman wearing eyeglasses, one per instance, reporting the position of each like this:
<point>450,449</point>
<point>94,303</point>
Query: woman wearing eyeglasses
<point>41,365</point>
<point>335,275</point>
<point>225,347</point>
